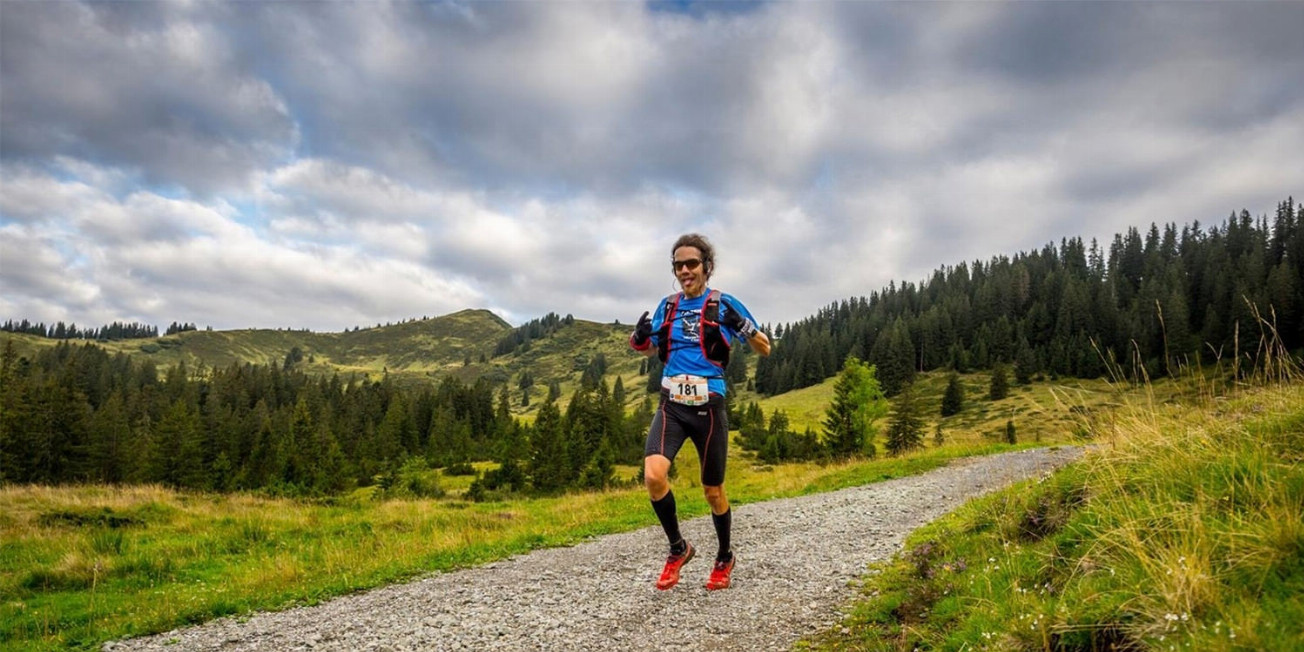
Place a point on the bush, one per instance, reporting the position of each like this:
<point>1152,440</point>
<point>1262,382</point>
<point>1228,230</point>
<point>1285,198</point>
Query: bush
<point>460,468</point>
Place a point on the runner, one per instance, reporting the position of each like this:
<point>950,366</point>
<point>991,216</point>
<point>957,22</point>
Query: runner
<point>691,333</point>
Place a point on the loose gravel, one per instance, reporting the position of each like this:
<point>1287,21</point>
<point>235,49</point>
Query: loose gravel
<point>798,559</point>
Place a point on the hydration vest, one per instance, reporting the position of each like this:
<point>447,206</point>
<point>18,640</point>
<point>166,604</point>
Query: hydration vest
<point>715,346</point>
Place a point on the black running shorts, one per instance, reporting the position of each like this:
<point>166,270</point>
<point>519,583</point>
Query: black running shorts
<point>708,427</point>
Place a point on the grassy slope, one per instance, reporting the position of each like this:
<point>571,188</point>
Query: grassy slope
<point>418,351</point>
<point>1183,530</point>
<point>1042,411</point>
<point>413,347</point>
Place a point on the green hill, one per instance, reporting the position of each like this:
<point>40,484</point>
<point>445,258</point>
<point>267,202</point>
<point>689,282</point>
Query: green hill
<point>460,344</point>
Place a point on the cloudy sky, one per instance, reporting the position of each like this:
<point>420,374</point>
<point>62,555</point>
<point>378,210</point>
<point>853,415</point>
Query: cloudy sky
<point>325,165</point>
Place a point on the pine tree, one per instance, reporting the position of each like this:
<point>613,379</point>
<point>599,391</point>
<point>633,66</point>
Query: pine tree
<point>1025,363</point>
<point>600,472</point>
<point>524,384</point>
<point>857,403</point>
<point>1000,385</point>
<point>953,397</point>
<point>549,466</point>
<point>654,368</point>
<point>111,441</point>
<point>905,430</point>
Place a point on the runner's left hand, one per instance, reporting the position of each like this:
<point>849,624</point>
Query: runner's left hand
<point>740,324</point>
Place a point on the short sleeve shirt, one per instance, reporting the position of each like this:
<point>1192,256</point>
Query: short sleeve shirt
<point>686,354</point>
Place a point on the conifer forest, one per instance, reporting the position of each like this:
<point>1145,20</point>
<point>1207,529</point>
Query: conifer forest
<point>1146,305</point>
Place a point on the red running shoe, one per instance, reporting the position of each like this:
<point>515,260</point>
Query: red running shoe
<point>720,575</point>
<point>670,574</point>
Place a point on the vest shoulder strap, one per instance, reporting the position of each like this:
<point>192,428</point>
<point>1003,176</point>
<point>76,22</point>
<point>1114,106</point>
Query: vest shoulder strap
<point>711,309</point>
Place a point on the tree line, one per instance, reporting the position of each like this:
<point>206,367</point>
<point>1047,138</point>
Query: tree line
<point>61,331</point>
<point>74,413</point>
<point>1151,302</point>
<point>518,340</point>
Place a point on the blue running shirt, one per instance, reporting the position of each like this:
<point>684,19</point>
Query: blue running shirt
<point>686,355</point>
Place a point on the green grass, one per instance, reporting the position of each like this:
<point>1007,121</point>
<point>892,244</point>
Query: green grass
<point>1183,530</point>
<point>81,565</point>
<point>1045,412</point>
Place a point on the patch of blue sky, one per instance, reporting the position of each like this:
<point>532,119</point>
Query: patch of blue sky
<point>248,213</point>
<point>116,181</point>
<point>704,8</point>
<point>73,257</point>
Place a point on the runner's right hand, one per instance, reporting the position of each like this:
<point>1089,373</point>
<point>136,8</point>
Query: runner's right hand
<point>643,330</point>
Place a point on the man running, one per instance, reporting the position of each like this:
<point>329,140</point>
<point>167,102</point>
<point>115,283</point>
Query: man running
<point>691,333</point>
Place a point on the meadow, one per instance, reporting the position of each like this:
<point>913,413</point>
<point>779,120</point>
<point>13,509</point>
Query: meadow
<point>1183,529</point>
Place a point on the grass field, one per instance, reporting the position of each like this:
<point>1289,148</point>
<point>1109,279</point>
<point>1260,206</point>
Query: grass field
<point>1183,530</point>
<point>1042,411</point>
<point>81,565</point>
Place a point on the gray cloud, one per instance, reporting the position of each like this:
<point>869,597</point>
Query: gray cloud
<point>123,86</point>
<point>334,164</point>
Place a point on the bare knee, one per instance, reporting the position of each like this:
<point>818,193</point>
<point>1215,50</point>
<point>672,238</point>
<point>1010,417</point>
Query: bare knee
<point>716,497</point>
<point>656,487</point>
<point>655,474</point>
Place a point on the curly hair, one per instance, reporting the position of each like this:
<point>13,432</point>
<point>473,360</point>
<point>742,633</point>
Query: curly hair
<point>701,244</point>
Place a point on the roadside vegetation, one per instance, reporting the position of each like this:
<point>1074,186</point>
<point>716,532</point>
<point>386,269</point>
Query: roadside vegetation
<point>1183,528</point>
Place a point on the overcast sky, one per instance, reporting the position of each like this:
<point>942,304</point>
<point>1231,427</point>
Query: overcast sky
<point>325,165</point>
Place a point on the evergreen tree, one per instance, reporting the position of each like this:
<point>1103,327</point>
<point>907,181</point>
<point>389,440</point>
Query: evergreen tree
<point>524,384</point>
<point>895,359</point>
<point>654,368</point>
<point>1025,363</point>
<point>953,397</point>
<point>1000,383</point>
<point>905,430</point>
<point>751,427</point>
<point>600,472</point>
<point>857,403</point>
<point>13,414</point>
<point>111,441</point>
<point>394,429</point>
<point>549,464</point>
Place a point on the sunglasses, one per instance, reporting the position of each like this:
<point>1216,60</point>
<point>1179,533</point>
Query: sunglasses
<point>690,264</point>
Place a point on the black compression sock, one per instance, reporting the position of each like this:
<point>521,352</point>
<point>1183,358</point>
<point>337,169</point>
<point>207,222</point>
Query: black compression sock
<point>723,524</point>
<point>665,510</point>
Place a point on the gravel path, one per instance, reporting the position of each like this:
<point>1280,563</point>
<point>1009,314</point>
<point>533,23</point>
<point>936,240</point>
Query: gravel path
<point>797,558</point>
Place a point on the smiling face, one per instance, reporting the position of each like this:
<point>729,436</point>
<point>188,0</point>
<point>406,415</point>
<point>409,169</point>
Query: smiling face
<point>690,271</point>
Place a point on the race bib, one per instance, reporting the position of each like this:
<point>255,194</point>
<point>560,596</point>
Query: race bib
<point>686,389</point>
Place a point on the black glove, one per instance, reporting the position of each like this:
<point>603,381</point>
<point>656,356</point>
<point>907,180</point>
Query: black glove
<point>740,324</point>
<point>642,331</point>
